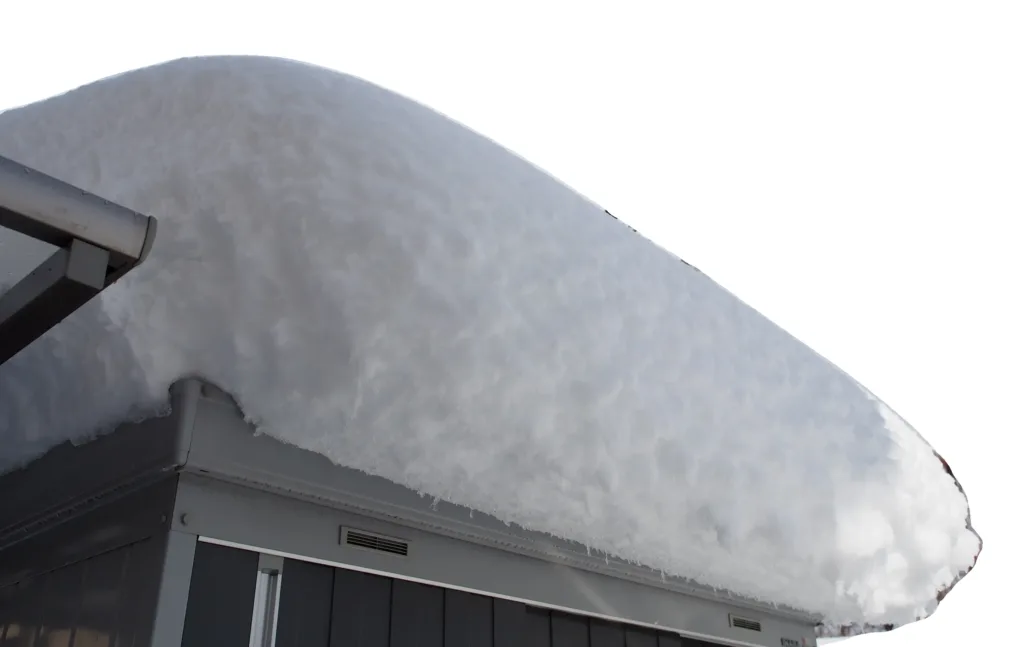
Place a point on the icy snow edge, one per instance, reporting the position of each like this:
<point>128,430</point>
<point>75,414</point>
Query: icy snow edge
<point>380,285</point>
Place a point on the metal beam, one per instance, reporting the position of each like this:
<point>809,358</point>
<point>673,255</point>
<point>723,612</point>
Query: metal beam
<point>56,212</point>
<point>59,286</point>
<point>98,243</point>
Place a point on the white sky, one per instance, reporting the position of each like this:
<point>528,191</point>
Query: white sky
<point>853,170</point>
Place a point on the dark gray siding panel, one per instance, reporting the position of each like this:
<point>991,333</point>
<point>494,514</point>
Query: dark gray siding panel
<point>104,602</point>
<point>324,606</point>
<point>691,642</point>
<point>636,637</point>
<point>607,634</point>
<point>24,613</point>
<point>235,513</point>
<point>59,616</point>
<point>667,640</point>
<point>361,614</point>
<point>6,609</point>
<point>417,615</point>
<point>569,630</point>
<point>220,599</point>
<point>538,627</point>
<point>304,619</point>
<point>468,620</point>
<point>510,628</point>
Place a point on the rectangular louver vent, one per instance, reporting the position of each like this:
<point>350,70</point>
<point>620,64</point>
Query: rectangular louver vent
<point>744,623</point>
<point>373,541</point>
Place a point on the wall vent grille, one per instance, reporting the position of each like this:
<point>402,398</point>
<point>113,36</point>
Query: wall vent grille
<point>373,541</point>
<point>744,623</point>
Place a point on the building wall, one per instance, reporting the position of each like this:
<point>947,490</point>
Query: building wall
<point>102,601</point>
<point>325,606</point>
<point>92,576</point>
<point>234,482</point>
<point>235,515</point>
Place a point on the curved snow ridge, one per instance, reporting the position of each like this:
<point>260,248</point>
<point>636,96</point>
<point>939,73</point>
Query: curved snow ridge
<point>381,285</point>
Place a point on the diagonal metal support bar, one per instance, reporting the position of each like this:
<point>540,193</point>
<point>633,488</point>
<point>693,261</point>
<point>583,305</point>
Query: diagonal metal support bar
<point>99,242</point>
<point>59,286</point>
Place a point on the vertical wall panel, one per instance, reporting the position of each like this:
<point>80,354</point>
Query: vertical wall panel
<point>304,618</point>
<point>510,624</point>
<point>693,642</point>
<point>6,609</point>
<point>18,625</point>
<point>569,631</point>
<point>109,601</point>
<point>607,634</point>
<point>669,640</point>
<point>33,604</point>
<point>468,620</point>
<point>538,627</point>
<point>132,607</point>
<point>417,615</point>
<point>140,592</point>
<point>60,608</point>
<point>220,600</point>
<point>102,597</point>
<point>637,637</point>
<point>361,610</point>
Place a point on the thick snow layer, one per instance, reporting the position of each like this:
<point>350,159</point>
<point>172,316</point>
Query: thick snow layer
<point>381,285</point>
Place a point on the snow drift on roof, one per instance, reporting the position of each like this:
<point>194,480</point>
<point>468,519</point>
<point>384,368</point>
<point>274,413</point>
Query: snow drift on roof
<point>381,285</point>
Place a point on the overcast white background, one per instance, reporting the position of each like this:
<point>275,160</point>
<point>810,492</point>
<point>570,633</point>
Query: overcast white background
<point>853,170</point>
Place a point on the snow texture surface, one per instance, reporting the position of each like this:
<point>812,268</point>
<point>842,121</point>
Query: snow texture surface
<point>379,284</point>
